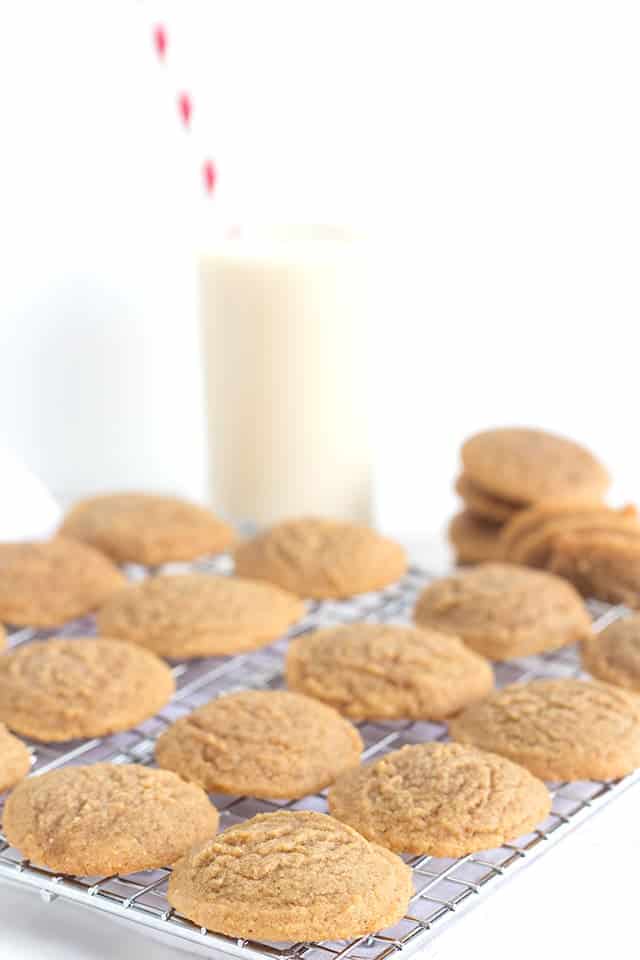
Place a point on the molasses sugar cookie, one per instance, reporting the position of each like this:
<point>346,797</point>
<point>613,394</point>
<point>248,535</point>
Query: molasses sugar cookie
<point>15,759</point>
<point>372,671</point>
<point>264,743</point>
<point>522,465</point>
<point>44,584</point>
<point>147,528</point>
<point>504,611</point>
<point>473,539</point>
<point>199,615</point>
<point>442,799</point>
<point>60,689</point>
<point>316,557</point>
<point>291,876</point>
<point>614,655</point>
<point>107,818</point>
<point>558,729</point>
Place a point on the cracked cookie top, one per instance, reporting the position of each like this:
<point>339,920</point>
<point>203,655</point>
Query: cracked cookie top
<point>199,615</point>
<point>107,818</point>
<point>265,743</point>
<point>559,729</point>
<point>63,689</point>
<point>46,583</point>
<point>291,876</point>
<point>442,799</point>
<point>317,557</point>
<point>147,528</point>
<point>372,671</point>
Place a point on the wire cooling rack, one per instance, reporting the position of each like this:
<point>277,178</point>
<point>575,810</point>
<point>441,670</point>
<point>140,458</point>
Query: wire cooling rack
<point>444,888</point>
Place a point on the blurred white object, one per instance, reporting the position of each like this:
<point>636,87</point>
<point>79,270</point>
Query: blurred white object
<point>285,313</point>
<point>27,509</point>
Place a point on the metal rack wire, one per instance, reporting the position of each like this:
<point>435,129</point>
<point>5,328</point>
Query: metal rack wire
<point>444,888</point>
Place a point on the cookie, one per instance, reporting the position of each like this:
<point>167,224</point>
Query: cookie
<point>558,729</point>
<point>529,537</point>
<point>474,540</point>
<point>15,759</point>
<point>146,528</point>
<point>198,615</point>
<point>599,564</point>
<point>3,637</point>
<point>482,504</point>
<point>315,557</point>
<point>522,465</point>
<point>291,876</point>
<point>264,743</point>
<point>441,799</point>
<point>373,671</point>
<point>107,818</point>
<point>504,611</point>
<point>44,584</point>
<point>61,689</point>
<point>614,654</point>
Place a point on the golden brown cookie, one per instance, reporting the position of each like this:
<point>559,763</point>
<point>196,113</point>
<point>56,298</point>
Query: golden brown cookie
<point>474,540</point>
<point>107,818</point>
<point>558,729</point>
<point>15,759</point>
<point>264,743</point>
<point>199,615</point>
<point>61,689</point>
<point>602,565</point>
<point>291,876</point>
<point>44,584</point>
<point>614,655</point>
<point>522,465</point>
<point>504,611</point>
<point>529,537</point>
<point>146,528</point>
<point>3,637</point>
<point>484,505</point>
<point>316,557</point>
<point>374,671</point>
<point>442,799</point>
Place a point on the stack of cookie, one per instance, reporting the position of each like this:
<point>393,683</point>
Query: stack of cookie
<point>507,470</point>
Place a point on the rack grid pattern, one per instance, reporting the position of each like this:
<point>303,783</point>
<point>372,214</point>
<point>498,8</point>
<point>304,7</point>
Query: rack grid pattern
<point>444,888</point>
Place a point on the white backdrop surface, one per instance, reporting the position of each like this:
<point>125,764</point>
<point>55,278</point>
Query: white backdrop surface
<point>493,146</point>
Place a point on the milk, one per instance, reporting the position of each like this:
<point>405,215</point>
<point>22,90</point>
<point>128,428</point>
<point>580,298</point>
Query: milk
<point>284,328</point>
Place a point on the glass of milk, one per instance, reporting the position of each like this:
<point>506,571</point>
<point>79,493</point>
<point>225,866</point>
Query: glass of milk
<point>284,315</point>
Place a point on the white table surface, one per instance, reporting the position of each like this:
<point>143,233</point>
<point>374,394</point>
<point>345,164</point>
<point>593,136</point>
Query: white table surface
<point>578,900</point>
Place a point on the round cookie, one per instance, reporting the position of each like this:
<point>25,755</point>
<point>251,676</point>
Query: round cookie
<point>107,818</point>
<point>15,759</point>
<point>3,637</point>
<point>199,615</point>
<point>325,559</point>
<point>529,537</point>
<point>291,876</point>
<point>474,540</point>
<point>44,584</point>
<point>504,611</point>
<point>600,564</point>
<point>441,799</point>
<point>482,504</point>
<point>373,671</point>
<point>62,689</point>
<point>522,465</point>
<point>263,743</point>
<point>558,729</point>
<point>146,528</point>
<point>614,655</point>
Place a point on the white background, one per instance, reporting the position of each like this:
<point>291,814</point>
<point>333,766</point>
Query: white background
<point>495,146</point>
